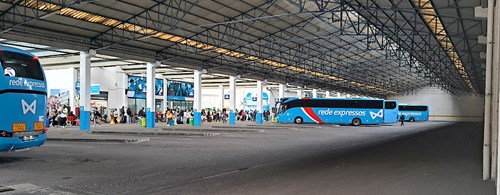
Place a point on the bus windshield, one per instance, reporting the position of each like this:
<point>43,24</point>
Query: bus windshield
<point>282,108</point>
<point>390,105</point>
<point>20,65</point>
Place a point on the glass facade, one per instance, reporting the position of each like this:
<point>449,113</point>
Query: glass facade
<point>136,104</point>
<point>180,105</point>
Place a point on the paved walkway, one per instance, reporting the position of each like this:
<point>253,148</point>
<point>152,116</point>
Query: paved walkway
<point>132,133</point>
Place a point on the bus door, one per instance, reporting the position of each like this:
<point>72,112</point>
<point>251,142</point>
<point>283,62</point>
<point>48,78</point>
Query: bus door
<point>391,111</point>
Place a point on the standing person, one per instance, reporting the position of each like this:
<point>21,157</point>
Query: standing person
<point>186,115</point>
<point>115,115</point>
<point>169,116</point>
<point>402,119</point>
<point>97,117</point>
<point>243,115</point>
<point>175,115</point>
<point>122,114</point>
<point>181,117</point>
<point>224,116</point>
<point>129,116</point>
<point>54,119</point>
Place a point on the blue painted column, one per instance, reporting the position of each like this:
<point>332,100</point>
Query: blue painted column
<point>85,63</point>
<point>197,98</point>
<point>232,100</point>
<point>258,116</point>
<point>150,94</point>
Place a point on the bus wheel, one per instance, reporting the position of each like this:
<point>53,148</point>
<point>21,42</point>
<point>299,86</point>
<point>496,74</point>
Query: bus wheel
<point>356,122</point>
<point>412,119</point>
<point>298,120</point>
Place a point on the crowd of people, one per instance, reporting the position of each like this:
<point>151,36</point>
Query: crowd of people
<point>177,116</point>
<point>59,118</point>
<point>124,115</point>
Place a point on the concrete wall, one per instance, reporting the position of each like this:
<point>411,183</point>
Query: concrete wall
<point>445,106</point>
<point>114,81</point>
<point>111,80</point>
<point>211,96</point>
<point>63,79</point>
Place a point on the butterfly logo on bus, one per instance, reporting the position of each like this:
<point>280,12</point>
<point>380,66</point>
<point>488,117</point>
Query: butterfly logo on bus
<point>29,107</point>
<point>378,114</point>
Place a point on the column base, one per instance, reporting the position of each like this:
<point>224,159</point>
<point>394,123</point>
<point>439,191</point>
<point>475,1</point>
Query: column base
<point>258,117</point>
<point>197,119</point>
<point>232,117</point>
<point>84,119</point>
<point>150,119</point>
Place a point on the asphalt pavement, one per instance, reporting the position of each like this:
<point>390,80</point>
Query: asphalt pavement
<point>420,158</point>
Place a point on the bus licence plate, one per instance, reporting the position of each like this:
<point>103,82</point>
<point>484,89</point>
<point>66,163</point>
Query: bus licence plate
<point>28,138</point>
<point>38,126</point>
<point>19,127</point>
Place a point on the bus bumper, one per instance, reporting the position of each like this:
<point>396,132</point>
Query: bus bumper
<point>17,143</point>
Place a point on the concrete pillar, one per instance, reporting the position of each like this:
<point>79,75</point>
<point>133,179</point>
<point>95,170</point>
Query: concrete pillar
<point>197,98</point>
<point>327,94</point>
<point>165,95</point>
<point>72,91</point>
<point>232,100</point>
<point>299,93</point>
<point>315,93</point>
<point>487,97</point>
<point>495,96</point>
<point>150,94</point>
<point>221,98</point>
<point>85,59</point>
<point>281,92</point>
<point>258,116</point>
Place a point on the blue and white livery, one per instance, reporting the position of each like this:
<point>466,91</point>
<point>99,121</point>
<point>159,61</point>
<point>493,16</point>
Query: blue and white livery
<point>351,111</point>
<point>414,112</point>
<point>23,93</point>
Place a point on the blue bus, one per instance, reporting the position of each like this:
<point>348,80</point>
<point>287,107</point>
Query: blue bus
<point>350,111</point>
<point>414,113</point>
<point>23,94</point>
<point>391,109</point>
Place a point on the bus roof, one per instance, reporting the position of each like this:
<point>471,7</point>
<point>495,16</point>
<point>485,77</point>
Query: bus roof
<point>13,49</point>
<point>336,98</point>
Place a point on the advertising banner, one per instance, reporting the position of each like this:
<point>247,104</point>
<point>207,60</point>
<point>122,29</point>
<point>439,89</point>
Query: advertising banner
<point>178,90</point>
<point>137,87</point>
